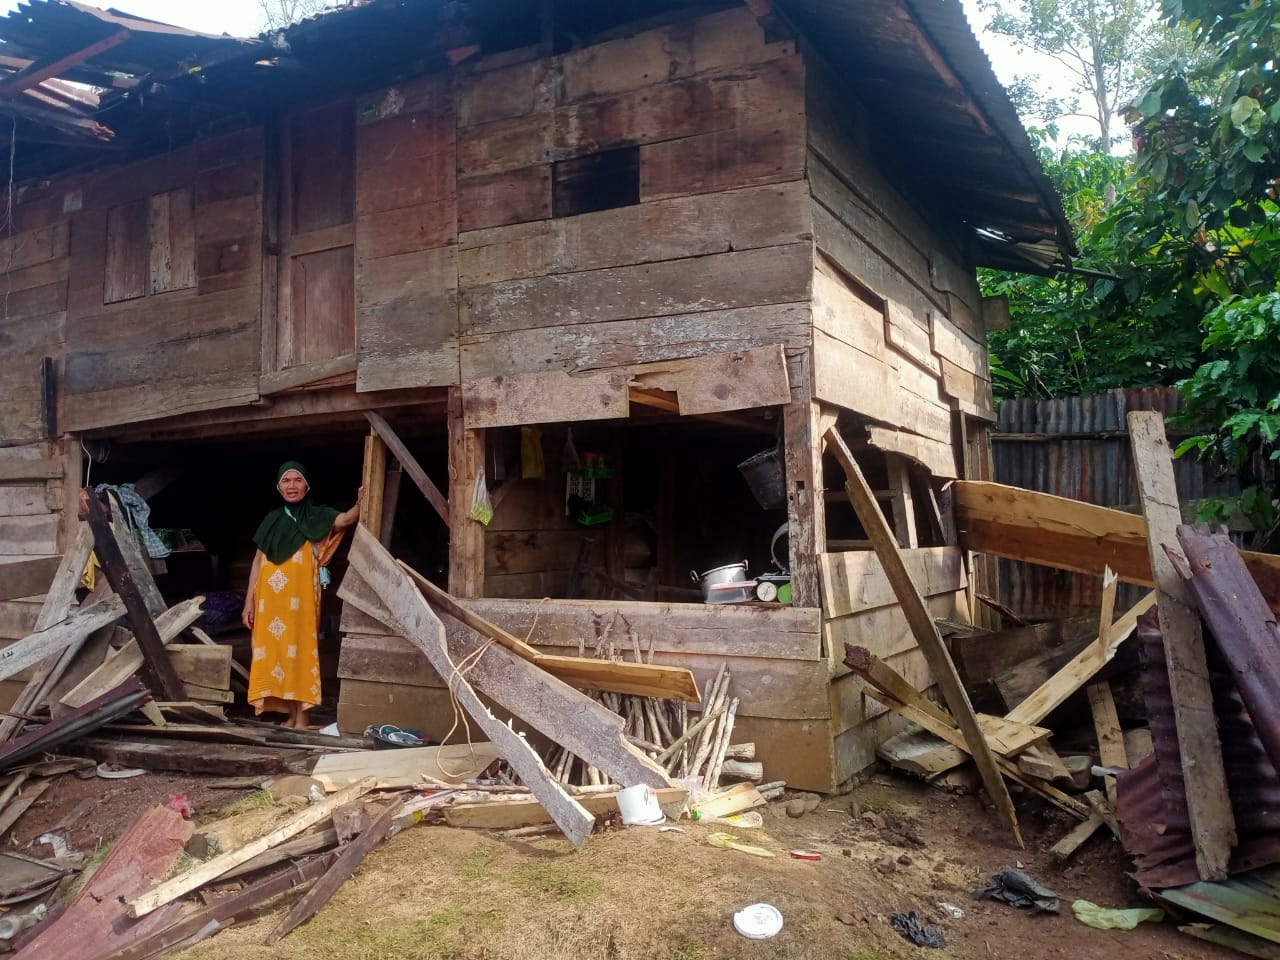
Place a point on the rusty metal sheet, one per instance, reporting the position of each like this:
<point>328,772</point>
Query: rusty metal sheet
<point>1249,902</point>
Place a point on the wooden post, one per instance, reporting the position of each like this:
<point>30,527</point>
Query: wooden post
<point>1111,751</point>
<point>373,479</point>
<point>158,669</point>
<point>803,424</point>
<point>904,508</point>
<point>466,536</point>
<point>924,629</point>
<point>72,478</point>
<point>410,463</point>
<point>1213,825</point>
<point>984,569</point>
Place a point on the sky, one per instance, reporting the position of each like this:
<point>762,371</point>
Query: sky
<point>245,18</point>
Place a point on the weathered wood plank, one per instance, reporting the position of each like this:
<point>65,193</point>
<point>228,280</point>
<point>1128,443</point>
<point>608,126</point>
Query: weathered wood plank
<point>856,580</point>
<point>1213,826</point>
<point>410,464</point>
<point>545,397</point>
<point>873,521</point>
<point>52,640</point>
<point>414,617</point>
<point>27,578</point>
<point>34,535</point>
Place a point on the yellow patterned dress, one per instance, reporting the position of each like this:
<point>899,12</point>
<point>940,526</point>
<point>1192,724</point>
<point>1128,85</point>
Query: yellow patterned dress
<point>286,652</point>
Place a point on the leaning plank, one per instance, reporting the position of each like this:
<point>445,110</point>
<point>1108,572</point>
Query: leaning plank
<point>566,716</point>
<point>924,628</point>
<point>414,618</point>
<point>407,767</point>
<point>338,874</point>
<point>125,663</point>
<point>410,465</point>
<point>1018,524</point>
<point>923,712</point>
<point>199,875</point>
<point>19,805</point>
<point>224,908</point>
<point>1075,839</point>
<point>1080,669</point>
<point>1213,825</point>
<point>57,604</point>
<point>1111,751</point>
<point>158,669</point>
<point>639,679</point>
<point>27,578</point>
<point>1241,623</point>
<point>511,814</point>
<point>52,640</point>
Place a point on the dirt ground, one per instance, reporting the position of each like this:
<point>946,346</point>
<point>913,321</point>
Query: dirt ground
<point>434,892</point>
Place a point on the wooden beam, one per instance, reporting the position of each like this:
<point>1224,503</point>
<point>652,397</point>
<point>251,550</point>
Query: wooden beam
<point>640,679</point>
<point>423,628</point>
<point>1080,669</point>
<point>564,715</point>
<point>904,510</point>
<point>50,641</point>
<point>1111,751</point>
<point>924,629</point>
<point>410,464</point>
<point>42,70</point>
<point>373,482</point>
<point>511,814</point>
<point>803,423</point>
<point>466,534</point>
<point>57,604</point>
<point>201,874</point>
<point>918,710</point>
<point>338,874</point>
<point>1213,825</point>
<point>157,668</point>
<point>1004,521</point>
<point>390,501</point>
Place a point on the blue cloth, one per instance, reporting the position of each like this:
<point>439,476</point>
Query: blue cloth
<point>137,513</point>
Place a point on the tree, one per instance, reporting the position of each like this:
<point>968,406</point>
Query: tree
<point>281,13</point>
<point>1100,43</point>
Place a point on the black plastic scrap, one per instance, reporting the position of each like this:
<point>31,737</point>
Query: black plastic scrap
<point>912,927</point>
<point>1018,890</point>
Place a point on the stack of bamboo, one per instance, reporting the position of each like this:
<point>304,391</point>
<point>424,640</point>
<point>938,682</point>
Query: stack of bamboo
<point>661,728</point>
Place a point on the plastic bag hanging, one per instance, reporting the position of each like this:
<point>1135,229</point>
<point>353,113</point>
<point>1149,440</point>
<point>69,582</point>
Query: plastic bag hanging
<point>481,505</point>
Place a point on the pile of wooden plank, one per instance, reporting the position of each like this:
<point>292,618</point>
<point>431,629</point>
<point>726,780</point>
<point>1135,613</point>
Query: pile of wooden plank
<point>80,655</point>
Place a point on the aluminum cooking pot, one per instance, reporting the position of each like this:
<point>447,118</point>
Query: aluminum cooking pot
<point>729,573</point>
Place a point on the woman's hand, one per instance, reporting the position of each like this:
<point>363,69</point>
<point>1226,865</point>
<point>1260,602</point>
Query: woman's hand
<point>246,615</point>
<point>349,517</point>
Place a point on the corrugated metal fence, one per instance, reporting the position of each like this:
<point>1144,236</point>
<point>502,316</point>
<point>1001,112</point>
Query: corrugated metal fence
<point>1078,447</point>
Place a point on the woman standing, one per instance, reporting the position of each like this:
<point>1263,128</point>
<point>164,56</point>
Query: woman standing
<point>282,607</point>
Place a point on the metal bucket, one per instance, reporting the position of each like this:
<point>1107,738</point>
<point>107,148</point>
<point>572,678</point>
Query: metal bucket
<point>729,573</point>
<point>766,477</point>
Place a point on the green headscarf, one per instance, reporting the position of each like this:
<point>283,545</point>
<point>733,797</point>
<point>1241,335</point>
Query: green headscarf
<point>287,528</point>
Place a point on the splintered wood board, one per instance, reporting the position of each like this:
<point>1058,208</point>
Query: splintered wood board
<point>510,814</point>
<point>406,766</point>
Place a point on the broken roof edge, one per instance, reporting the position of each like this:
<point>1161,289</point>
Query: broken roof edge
<point>944,20</point>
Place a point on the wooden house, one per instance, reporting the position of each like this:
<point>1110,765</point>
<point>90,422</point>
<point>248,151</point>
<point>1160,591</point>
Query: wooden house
<point>584,257</point>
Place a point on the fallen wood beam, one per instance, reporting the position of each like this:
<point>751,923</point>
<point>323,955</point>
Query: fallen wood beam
<point>407,767</point>
<point>1213,825</point>
<point>409,463</point>
<point>924,629</point>
<point>202,873</point>
<point>415,619</point>
<point>58,602</point>
<point>1065,848</point>
<point>585,673</point>
<point>585,727</point>
<point>74,724</point>
<point>512,814</point>
<point>225,908</point>
<point>169,752</point>
<point>116,669</point>
<point>1111,751</point>
<point>1018,524</point>
<point>157,668</point>
<point>1080,669</point>
<point>338,874</point>
<point>51,641</point>
<point>919,710</point>
<point>19,805</point>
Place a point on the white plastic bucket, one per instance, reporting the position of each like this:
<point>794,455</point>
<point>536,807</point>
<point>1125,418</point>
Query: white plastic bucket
<point>639,806</point>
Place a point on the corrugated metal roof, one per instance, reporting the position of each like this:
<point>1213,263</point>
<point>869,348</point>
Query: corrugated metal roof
<point>1151,801</point>
<point>917,68</point>
<point>1250,902</point>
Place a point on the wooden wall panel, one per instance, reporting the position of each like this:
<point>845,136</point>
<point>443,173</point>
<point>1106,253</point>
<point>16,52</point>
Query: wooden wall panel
<point>192,338</point>
<point>406,238</point>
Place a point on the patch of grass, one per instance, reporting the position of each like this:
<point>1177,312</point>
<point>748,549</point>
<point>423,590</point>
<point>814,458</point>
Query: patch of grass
<point>685,949</point>
<point>435,937</point>
<point>477,864</point>
<point>257,800</point>
<point>867,955</point>
<point>555,878</point>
